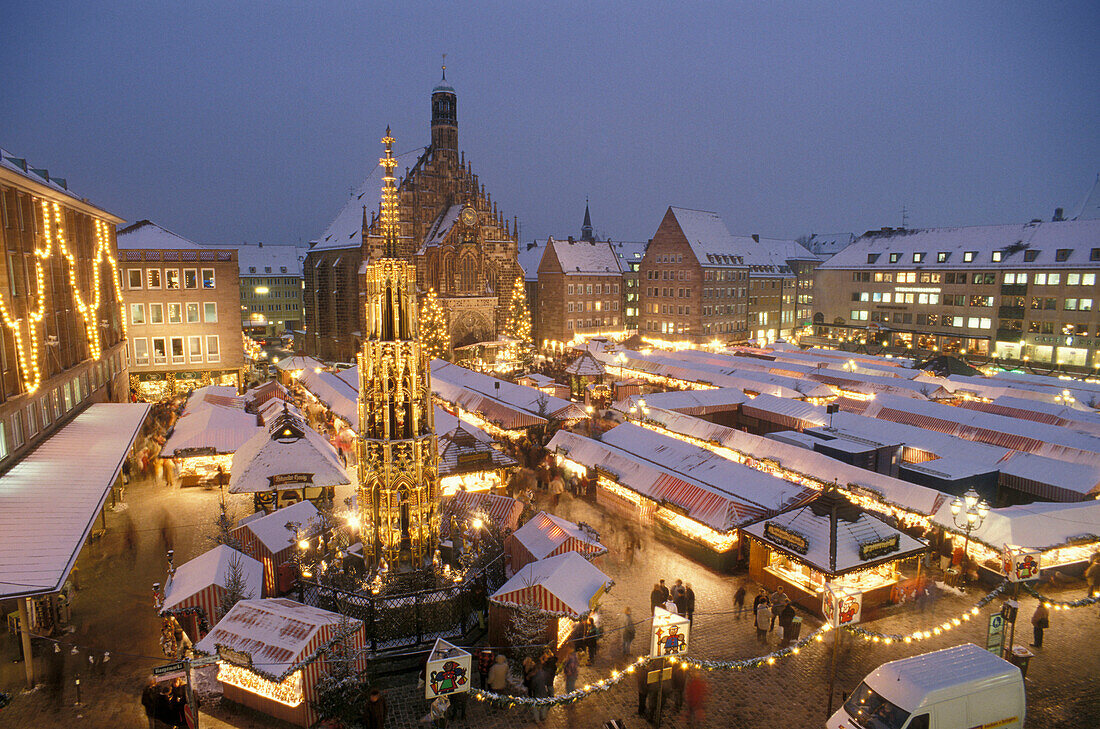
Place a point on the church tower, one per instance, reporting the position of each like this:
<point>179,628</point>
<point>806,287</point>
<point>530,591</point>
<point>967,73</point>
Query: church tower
<point>445,121</point>
<point>586,227</point>
<point>398,489</point>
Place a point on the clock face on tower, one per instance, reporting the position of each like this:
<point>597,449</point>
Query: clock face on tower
<point>469,217</point>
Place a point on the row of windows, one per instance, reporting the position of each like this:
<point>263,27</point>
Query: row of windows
<point>1047,327</point>
<point>589,323</point>
<point>1060,254</point>
<point>276,307</point>
<point>176,313</point>
<point>725,275</point>
<point>1041,279</point>
<point>667,275</point>
<point>172,349</point>
<point>725,327</point>
<point>728,292</point>
<point>267,269</point>
<point>668,309</point>
<point>724,309</point>
<point>169,278</point>
<point>582,289</point>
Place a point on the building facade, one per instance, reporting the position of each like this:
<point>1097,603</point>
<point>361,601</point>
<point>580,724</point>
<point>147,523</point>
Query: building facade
<point>580,292</point>
<point>62,335</point>
<point>630,254</point>
<point>1022,293</point>
<point>271,288</point>
<point>699,284</point>
<point>460,242</point>
<point>182,309</point>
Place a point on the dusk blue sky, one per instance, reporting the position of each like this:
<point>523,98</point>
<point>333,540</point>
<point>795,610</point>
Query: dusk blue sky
<point>245,121</point>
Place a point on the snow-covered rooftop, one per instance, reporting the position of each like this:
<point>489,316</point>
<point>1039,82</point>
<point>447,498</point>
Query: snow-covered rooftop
<point>286,445</point>
<point>566,583</point>
<point>544,533</point>
<point>147,235</point>
<point>271,529</point>
<point>585,258</point>
<point>264,260</point>
<point>1040,525</point>
<point>222,428</point>
<point>212,568</point>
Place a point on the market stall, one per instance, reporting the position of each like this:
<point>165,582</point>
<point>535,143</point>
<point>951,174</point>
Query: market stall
<point>205,437</point>
<point>1066,535</point>
<point>583,371</point>
<point>502,512</point>
<point>266,538</point>
<point>469,464</point>
<point>546,535</point>
<point>832,540</point>
<point>272,653</point>
<point>291,368</point>
<point>194,591</point>
<point>564,589</point>
<point>286,462</point>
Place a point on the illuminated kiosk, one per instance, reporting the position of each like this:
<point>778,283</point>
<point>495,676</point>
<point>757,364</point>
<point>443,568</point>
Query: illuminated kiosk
<point>272,653</point>
<point>265,537</point>
<point>831,540</point>
<point>564,589</point>
<point>467,463</point>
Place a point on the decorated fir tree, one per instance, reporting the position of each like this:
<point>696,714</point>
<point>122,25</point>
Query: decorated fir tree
<point>433,326</point>
<point>223,522</point>
<point>526,633</point>
<point>342,692</point>
<point>235,587</point>
<point>517,323</point>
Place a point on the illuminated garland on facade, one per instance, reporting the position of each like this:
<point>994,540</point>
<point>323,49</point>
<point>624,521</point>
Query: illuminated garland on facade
<point>947,625</point>
<point>27,342</point>
<point>1059,604</point>
<point>287,692</point>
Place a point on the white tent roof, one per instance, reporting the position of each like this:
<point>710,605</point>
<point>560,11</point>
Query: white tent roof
<point>50,499</point>
<point>212,568</point>
<point>225,429</point>
<point>543,533</point>
<point>298,362</point>
<point>271,529</point>
<point>1041,525</point>
<point>265,454</point>
<point>565,583</point>
<point>335,392</point>
<point>274,631</point>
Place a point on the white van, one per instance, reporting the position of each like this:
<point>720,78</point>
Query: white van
<point>963,687</point>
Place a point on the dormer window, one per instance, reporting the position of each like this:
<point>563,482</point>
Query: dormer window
<point>1062,254</point>
<point>942,257</point>
<point>996,256</point>
<point>252,269</point>
<point>1030,255</point>
<point>894,257</point>
<point>872,257</point>
<point>968,256</point>
<point>918,257</point>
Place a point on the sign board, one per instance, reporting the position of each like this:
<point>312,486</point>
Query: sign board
<point>447,672</point>
<point>1021,564</point>
<point>995,636</point>
<point>177,667</point>
<point>879,547</point>
<point>236,657</point>
<point>841,605</point>
<point>670,634</point>
<point>192,452</point>
<point>655,676</point>
<point>786,537</point>
<point>288,479</point>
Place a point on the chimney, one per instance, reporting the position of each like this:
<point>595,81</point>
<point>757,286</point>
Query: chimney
<point>1059,215</point>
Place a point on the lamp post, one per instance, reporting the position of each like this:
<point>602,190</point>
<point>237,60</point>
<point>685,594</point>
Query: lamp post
<point>621,359</point>
<point>590,410</point>
<point>968,513</point>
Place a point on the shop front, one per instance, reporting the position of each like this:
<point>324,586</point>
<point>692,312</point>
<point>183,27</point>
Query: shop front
<point>830,540</point>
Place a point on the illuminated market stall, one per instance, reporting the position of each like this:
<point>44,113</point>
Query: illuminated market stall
<point>469,464</point>
<point>214,424</point>
<point>502,512</point>
<point>546,535</point>
<point>1066,535</point>
<point>291,368</point>
<point>265,537</point>
<point>286,462</point>
<point>832,540</point>
<point>272,653</point>
<point>193,591</point>
<point>564,589</point>
<point>583,371</point>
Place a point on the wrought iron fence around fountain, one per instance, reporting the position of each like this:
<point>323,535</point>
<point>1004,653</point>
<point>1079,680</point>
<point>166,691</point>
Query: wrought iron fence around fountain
<point>401,620</point>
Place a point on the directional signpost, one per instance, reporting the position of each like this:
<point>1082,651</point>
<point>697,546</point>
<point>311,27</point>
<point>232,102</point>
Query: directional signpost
<point>995,637</point>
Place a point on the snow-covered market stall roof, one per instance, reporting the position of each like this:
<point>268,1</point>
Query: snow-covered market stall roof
<point>502,511</point>
<point>270,530</point>
<point>1038,525</point>
<point>298,363</point>
<point>335,393</point>
<point>51,498</point>
<point>546,535</point>
<point>286,452</point>
<point>265,393</point>
<point>810,466</point>
<point>208,427</point>
<point>690,402</point>
<point>834,536</point>
<point>586,366</point>
<point>193,580</point>
<point>460,451</point>
<point>525,398</point>
<point>279,636</point>
<point>565,585</point>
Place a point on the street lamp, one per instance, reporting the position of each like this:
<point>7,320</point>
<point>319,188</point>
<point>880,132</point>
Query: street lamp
<point>968,513</point>
<point>589,409</point>
<point>621,359</point>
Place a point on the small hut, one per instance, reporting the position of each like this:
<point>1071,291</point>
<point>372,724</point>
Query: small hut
<point>193,593</point>
<point>266,538</point>
<point>584,370</point>
<point>563,588</point>
<point>546,535</point>
<point>272,653</point>
<point>467,463</point>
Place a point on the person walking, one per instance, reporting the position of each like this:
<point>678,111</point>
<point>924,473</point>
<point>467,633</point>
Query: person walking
<point>374,713</point>
<point>739,601</point>
<point>570,669</point>
<point>679,597</point>
<point>629,631</point>
<point>557,487</point>
<point>689,602</point>
<point>763,618</point>
<point>529,670</point>
<point>1040,621</point>
<point>592,639</point>
<point>695,696</point>
<point>679,683</point>
<point>149,702</point>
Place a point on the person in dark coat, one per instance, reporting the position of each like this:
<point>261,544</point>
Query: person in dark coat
<point>786,621</point>
<point>149,702</point>
<point>655,598</point>
<point>164,707</point>
<point>679,682</point>
<point>689,602</point>
<point>761,596</point>
<point>664,591</point>
<point>374,713</point>
<point>739,600</point>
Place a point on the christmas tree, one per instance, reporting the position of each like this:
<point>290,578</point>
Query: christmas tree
<point>342,692</point>
<point>235,587</point>
<point>526,633</point>
<point>433,326</point>
<point>517,323</point>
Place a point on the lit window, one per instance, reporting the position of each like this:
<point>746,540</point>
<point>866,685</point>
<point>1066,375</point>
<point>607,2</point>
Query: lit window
<point>175,314</point>
<point>192,313</point>
<point>208,278</point>
<point>141,351</point>
<point>156,313</point>
<point>171,278</point>
<point>190,278</point>
<point>968,256</point>
<point>152,278</point>
<point>210,312</point>
<point>137,313</point>
<point>213,353</point>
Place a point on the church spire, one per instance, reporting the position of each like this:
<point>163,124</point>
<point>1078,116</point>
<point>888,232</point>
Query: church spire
<point>389,200</point>
<point>586,227</point>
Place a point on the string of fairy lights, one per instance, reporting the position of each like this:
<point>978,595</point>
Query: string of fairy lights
<point>28,337</point>
<point>1059,604</point>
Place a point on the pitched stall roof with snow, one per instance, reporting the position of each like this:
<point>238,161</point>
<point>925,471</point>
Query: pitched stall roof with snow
<point>212,567</point>
<point>286,445</point>
<point>335,392</point>
<point>586,366</point>
<point>529,399</point>
<point>210,426</point>
<point>852,528</point>
<point>51,498</point>
<point>692,402</point>
<point>298,362</point>
<point>1037,525</point>
<point>503,511</point>
<point>566,584</point>
<point>271,529</point>
<point>545,532</point>
<point>275,632</point>
<point>460,451</point>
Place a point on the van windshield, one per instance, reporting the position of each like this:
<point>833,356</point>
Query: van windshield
<point>871,711</point>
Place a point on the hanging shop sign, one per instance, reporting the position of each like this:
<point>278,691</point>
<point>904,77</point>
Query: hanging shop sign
<point>236,657</point>
<point>786,537</point>
<point>1021,564</point>
<point>192,452</point>
<point>288,479</point>
<point>447,672</point>
<point>670,634</point>
<point>841,605</point>
<point>879,547</point>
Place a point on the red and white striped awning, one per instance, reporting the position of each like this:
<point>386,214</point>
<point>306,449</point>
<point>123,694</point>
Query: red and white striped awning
<point>502,511</point>
<point>566,584</point>
<point>702,505</point>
